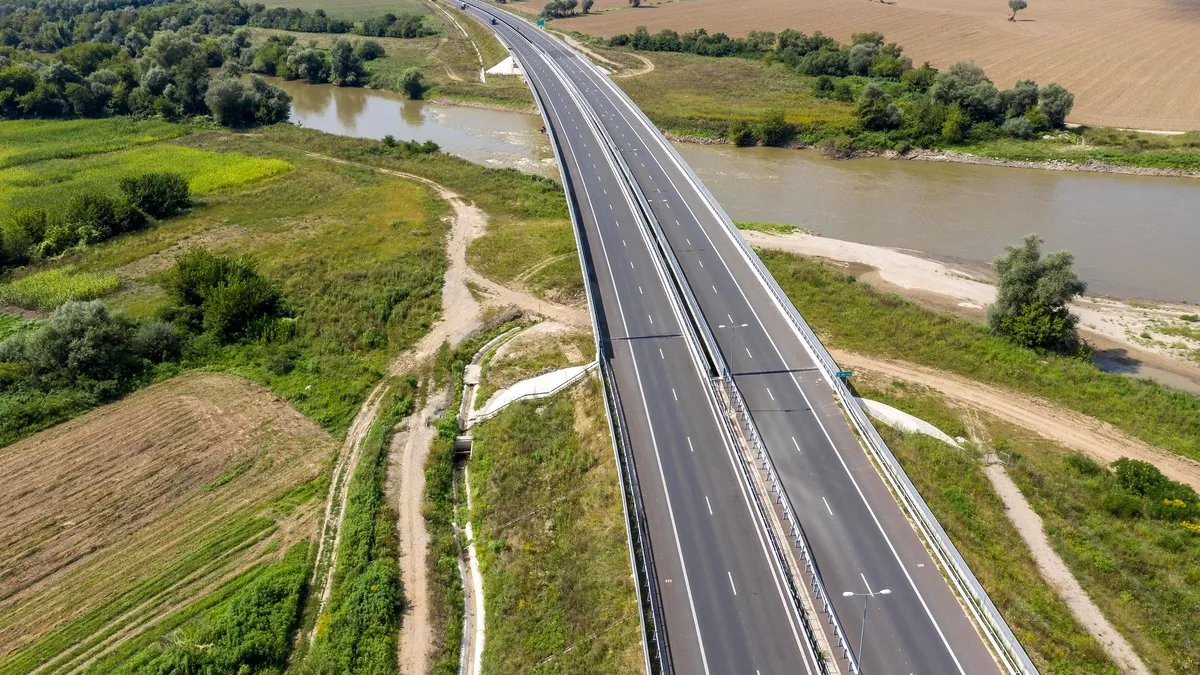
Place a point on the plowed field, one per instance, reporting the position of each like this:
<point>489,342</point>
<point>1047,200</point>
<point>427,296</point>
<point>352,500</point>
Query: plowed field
<point>115,518</point>
<point>1131,63</point>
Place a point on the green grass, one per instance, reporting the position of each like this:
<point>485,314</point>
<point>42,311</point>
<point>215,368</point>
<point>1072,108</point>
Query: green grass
<point>551,541</point>
<point>770,228</point>
<point>10,324</point>
<point>1164,152</point>
<point>954,485</point>
<point>850,315</point>
<point>50,288</point>
<point>1144,574</point>
<point>359,629</point>
<point>524,360</point>
<point>50,183</point>
<point>28,141</point>
<point>700,96</point>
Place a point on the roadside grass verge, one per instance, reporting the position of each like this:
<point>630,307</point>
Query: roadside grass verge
<point>551,539</point>
<point>961,497</point>
<point>853,316</point>
<point>50,288</point>
<point>52,182</point>
<point>28,141</point>
<point>358,631</point>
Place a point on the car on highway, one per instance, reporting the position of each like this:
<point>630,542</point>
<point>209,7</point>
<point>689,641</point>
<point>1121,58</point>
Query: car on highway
<point>493,21</point>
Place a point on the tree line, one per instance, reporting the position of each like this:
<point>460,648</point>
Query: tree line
<point>896,104</point>
<point>388,25</point>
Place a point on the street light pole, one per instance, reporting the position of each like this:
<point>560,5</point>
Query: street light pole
<point>862,632</point>
<point>733,327</point>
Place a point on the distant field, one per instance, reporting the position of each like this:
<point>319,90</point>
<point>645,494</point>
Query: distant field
<point>1131,63</point>
<point>357,9</point>
<point>156,500</point>
<point>53,181</point>
<point>26,141</point>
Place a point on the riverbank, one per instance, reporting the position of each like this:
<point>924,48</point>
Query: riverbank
<point>1142,339</point>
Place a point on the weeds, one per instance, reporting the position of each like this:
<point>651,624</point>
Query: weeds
<point>50,288</point>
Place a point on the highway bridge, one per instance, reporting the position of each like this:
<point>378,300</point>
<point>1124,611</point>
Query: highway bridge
<point>691,328</point>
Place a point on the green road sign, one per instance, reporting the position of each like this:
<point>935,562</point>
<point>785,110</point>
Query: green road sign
<point>541,22</point>
<point>844,374</point>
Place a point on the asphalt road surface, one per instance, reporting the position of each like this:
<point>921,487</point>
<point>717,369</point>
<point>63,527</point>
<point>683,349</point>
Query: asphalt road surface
<point>714,569</point>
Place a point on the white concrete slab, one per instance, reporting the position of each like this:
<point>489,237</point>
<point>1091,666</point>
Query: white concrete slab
<point>909,424</point>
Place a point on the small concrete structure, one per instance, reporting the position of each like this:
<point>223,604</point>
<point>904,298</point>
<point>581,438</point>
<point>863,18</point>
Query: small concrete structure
<point>535,387</point>
<point>509,66</point>
<point>898,419</point>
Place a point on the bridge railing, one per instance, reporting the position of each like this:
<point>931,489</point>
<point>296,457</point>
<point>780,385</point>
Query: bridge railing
<point>999,635</point>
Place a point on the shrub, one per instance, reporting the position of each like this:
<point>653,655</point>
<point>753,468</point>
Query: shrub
<point>369,50</point>
<point>157,341</point>
<point>224,296</point>
<point>1018,127</point>
<point>1122,504</point>
<point>774,129</point>
<point>158,195</point>
<point>232,308</point>
<point>412,83</point>
<point>80,342</point>
<point>741,133</point>
<point>1084,465</point>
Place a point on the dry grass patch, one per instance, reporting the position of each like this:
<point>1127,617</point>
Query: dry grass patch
<point>117,517</point>
<point>1128,61</point>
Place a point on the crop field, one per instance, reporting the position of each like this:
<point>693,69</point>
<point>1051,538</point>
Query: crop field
<point>1130,63</point>
<point>53,181</point>
<point>51,288</point>
<point>156,500</point>
<point>26,141</point>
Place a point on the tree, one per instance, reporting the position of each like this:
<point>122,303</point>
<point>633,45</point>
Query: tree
<point>968,86</point>
<point>586,6</point>
<point>345,67</point>
<point>875,110</point>
<point>956,125</point>
<point>1016,6</point>
<point>234,103</point>
<point>1032,294</point>
<point>1057,103</point>
<point>919,80</point>
<point>1018,127</point>
<point>412,82</point>
<point>635,3</point>
<point>369,50</point>
<point>1022,97</point>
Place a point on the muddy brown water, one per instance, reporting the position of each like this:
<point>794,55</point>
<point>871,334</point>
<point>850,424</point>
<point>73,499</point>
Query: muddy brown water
<point>497,138</point>
<point>1132,236</point>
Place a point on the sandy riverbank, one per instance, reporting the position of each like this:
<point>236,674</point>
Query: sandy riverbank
<point>1129,336</point>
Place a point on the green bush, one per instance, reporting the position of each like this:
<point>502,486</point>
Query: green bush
<point>158,195</point>
<point>741,133</point>
<point>223,296</point>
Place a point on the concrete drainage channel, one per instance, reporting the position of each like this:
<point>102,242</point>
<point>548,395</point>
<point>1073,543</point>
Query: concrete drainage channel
<point>471,653</point>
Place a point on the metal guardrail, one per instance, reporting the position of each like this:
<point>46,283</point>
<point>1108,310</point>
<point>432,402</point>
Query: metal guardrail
<point>703,342</point>
<point>986,615</point>
<point>641,555</point>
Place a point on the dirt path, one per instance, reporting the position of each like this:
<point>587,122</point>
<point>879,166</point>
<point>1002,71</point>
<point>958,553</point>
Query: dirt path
<point>1055,571</point>
<point>1099,440</point>
<point>619,69</point>
<point>461,315</point>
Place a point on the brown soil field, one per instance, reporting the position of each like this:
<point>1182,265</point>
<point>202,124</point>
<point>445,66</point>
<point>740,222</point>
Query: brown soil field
<point>113,519</point>
<point>1130,63</point>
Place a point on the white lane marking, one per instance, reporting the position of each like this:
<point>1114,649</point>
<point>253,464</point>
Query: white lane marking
<point>677,398</point>
<point>700,261</point>
<point>748,353</point>
<point>827,506</point>
<point>715,291</point>
<point>864,578</point>
<point>623,243</point>
<point>610,207</point>
<point>709,505</point>
<point>640,291</point>
<point>606,192</point>
<point>731,581</point>
<point>796,444</point>
<point>729,317</point>
<point>770,394</point>
<point>679,167</point>
<point>689,241</point>
<point>689,439</point>
<point>651,319</point>
<point>664,358</point>
<point>677,223</point>
<point>653,438</point>
<point>631,265</point>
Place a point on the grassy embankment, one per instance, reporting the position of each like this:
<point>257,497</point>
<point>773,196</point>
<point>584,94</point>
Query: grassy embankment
<point>448,61</point>
<point>697,96</point>
<point>1141,572</point>
<point>850,315</point>
<point>547,513</point>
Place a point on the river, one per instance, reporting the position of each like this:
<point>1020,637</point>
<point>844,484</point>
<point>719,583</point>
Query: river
<point>1132,236</point>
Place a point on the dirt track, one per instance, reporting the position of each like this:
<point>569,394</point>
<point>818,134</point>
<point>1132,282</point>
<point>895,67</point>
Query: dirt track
<point>1130,63</point>
<point>1099,440</point>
